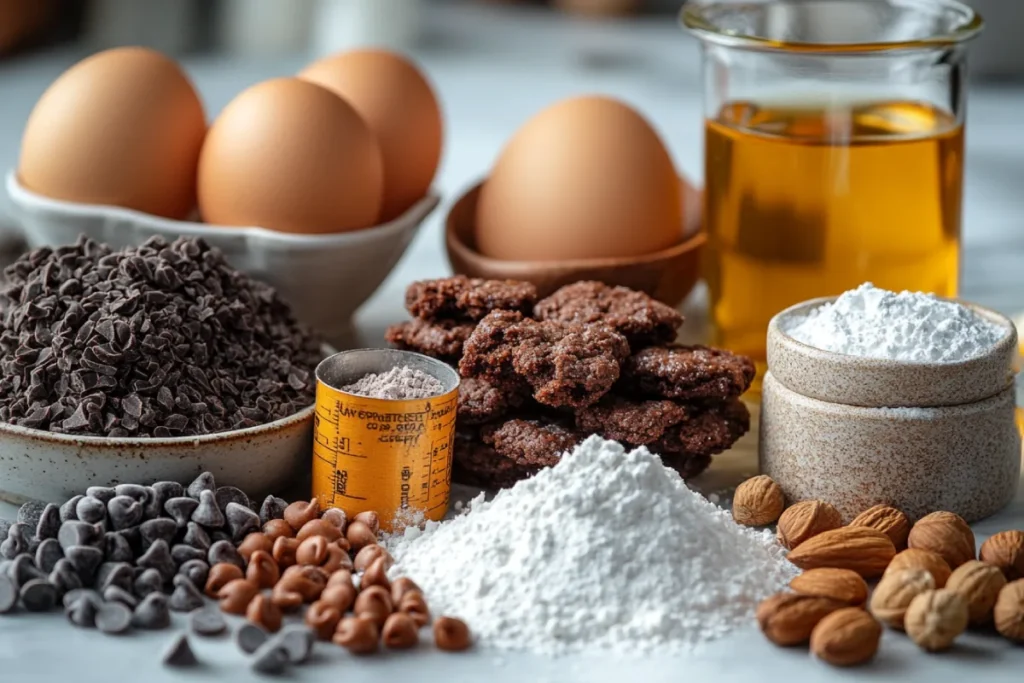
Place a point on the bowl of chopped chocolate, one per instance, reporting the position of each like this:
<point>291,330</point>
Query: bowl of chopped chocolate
<point>539,375</point>
<point>668,275</point>
<point>148,363</point>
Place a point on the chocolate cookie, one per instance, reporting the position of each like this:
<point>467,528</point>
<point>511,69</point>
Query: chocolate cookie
<point>531,443</point>
<point>688,465</point>
<point>565,364</point>
<point>481,401</point>
<point>442,339</point>
<point>634,422</point>
<point>638,317</point>
<point>474,463</point>
<point>686,373</point>
<point>707,431</point>
<point>467,299</point>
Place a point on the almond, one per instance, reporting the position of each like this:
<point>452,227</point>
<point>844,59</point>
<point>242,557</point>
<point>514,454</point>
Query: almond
<point>843,585</point>
<point>758,501</point>
<point>935,619</point>
<point>944,533</point>
<point>788,618</point>
<point>861,549</point>
<point>846,637</point>
<point>1006,551</point>
<point>894,593</point>
<point>979,584</point>
<point>805,519</point>
<point>888,520</point>
<point>1009,611</point>
<point>916,558</point>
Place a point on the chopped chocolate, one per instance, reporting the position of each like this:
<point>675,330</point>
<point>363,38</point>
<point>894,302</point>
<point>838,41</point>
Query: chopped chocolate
<point>687,372</point>
<point>467,299</point>
<point>566,364</point>
<point>638,317</point>
<point>442,339</point>
<point>535,442</point>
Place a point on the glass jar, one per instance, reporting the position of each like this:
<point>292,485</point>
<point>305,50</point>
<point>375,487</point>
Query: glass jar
<point>834,150</point>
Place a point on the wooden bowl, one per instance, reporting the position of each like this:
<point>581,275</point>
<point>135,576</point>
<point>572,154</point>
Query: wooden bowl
<point>667,275</point>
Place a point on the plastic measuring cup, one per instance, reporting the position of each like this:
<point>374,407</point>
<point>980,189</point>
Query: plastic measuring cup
<point>390,456</point>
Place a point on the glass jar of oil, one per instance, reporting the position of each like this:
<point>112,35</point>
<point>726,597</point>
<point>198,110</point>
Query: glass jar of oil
<point>834,145</point>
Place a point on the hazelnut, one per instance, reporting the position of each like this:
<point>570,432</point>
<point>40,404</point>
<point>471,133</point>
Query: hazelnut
<point>236,595</point>
<point>318,527</point>
<point>451,634</point>
<point>946,534</point>
<point>359,535</point>
<point>262,569</point>
<point>1009,611</point>
<point>253,542</point>
<point>916,558</point>
<point>312,550</point>
<point>374,603</point>
<point>401,586</point>
<point>335,517</point>
<point>357,635</point>
<point>219,576</point>
<point>893,594</point>
<point>978,584</point>
<point>935,619</point>
<point>339,596</point>
<point>415,605</point>
<point>400,632</point>
<point>276,528</point>
<point>263,612</point>
<point>376,575</point>
<point>367,556</point>
<point>300,512</point>
<point>1006,551</point>
<point>758,501</point>
<point>371,519</point>
<point>323,618</point>
<point>284,551</point>
<point>806,519</point>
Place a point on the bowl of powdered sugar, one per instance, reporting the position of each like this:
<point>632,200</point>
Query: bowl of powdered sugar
<point>900,398</point>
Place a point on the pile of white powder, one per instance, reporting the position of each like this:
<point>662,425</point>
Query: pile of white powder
<point>607,550</point>
<point>906,326</point>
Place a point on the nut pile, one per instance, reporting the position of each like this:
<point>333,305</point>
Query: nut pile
<point>337,568</point>
<point>541,376</point>
<point>933,585</point>
<point>127,555</point>
<point>160,340</point>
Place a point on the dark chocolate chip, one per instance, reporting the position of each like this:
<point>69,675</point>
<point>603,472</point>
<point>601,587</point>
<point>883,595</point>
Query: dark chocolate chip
<point>64,577</point>
<point>181,554</point>
<point>186,597</point>
<point>48,554</point>
<point>136,492</point>
<point>124,512</point>
<point>100,493</point>
<point>23,569</point>
<point>147,582</point>
<point>225,551</point>
<point>208,513</point>
<point>204,482</point>
<point>178,653</point>
<point>82,611</point>
<point>86,560</point>
<point>180,509</point>
<point>73,596</point>
<point>230,494</point>
<point>113,618</point>
<point>76,533</point>
<point>241,521</point>
<point>152,613</point>
<point>91,510</point>
<point>297,640</point>
<point>116,548</point>
<point>158,557</point>
<point>114,574</point>
<point>207,622</point>
<point>118,594</point>
<point>49,523</point>
<point>68,509</point>
<point>195,571</point>
<point>249,637</point>
<point>196,537</point>
<point>270,658</point>
<point>154,530</point>
<point>38,595</point>
<point>272,508</point>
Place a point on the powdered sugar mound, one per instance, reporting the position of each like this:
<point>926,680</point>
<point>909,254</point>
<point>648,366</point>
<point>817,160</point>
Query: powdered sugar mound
<point>607,550</point>
<point>908,326</point>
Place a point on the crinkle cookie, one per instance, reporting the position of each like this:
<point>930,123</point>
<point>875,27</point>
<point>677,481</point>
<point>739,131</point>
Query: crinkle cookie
<point>565,364</point>
<point>481,401</point>
<point>474,463</point>
<point>467,299</point>
<point>442,339</point>
<point>706,431</point>
<point>687,372</point>
<point>538,442</point>
<point>636,422</point>
<point>638,317</point>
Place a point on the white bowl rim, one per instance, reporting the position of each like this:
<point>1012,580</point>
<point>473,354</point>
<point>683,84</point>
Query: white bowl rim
<point>414,215</point>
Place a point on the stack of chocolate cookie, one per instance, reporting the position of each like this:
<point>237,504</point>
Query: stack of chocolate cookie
<point>539,377</point>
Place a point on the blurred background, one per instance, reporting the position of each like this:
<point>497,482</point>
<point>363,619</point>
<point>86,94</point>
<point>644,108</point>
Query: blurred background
<point>495,63</point>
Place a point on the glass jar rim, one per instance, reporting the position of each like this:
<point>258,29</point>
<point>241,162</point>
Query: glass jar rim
<point>696,16</point>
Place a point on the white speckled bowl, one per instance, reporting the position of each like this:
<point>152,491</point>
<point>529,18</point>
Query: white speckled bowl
<point>856,431</point>
<point>41,465</point>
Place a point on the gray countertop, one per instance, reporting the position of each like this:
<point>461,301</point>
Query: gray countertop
<point>491,77</point>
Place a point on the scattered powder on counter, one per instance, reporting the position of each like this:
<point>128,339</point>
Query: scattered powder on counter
<point>608,550</point>
<point>401,383</point>
<point>905,326</point>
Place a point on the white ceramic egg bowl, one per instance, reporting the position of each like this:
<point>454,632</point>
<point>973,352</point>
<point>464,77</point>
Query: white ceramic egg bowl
<point>325,278</point>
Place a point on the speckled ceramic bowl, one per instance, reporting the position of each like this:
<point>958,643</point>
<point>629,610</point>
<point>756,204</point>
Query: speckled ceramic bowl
<point>856,431</point>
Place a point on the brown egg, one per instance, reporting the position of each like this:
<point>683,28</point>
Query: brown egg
<point>397,102</point>
<point>586,178</point>
<point>291,156</point>
<point>123,128</point>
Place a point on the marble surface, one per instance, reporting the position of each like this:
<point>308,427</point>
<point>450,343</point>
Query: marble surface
<point>492,76</point>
